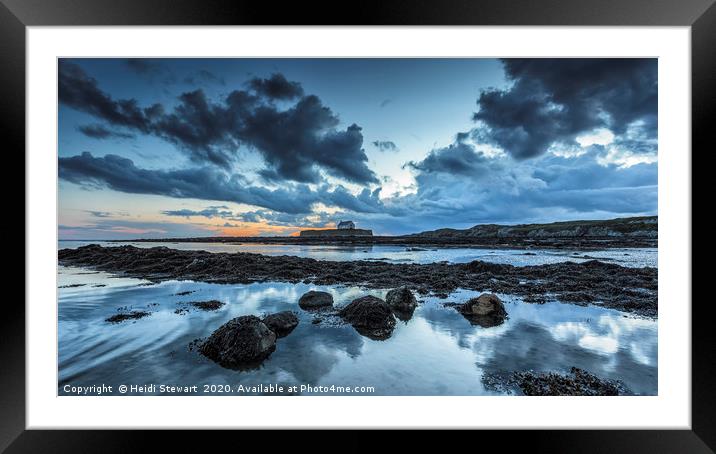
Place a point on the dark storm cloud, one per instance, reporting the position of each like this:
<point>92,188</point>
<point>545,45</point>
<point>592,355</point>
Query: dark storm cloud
<point>79,91</point>
<point>100,132</point>
<point>366,202</point>
<point>198,127</point>
<point>462,137</point>
<point>385,145</point>
<point>549,103</point>
<point>276,87</point>
<point>295,142</point>
<point>206,183</point>
<point>459,158</point>
<point>552,101</point>
<point>120,174</point>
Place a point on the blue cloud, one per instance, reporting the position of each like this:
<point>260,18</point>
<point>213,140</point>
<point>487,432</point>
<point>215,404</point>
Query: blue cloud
<point>206,183</point>
<point>385,145</point>
<point>552,101</point>
<point>296,142</point>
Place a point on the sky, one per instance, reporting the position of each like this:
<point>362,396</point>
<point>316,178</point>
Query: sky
<point>156,148</point>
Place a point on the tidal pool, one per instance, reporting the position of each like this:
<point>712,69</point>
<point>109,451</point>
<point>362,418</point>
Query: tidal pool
<point>437,352</point>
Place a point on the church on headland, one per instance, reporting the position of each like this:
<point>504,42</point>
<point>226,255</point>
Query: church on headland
<point>343,229</point>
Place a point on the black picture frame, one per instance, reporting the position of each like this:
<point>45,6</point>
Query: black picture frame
<point>16,15</point>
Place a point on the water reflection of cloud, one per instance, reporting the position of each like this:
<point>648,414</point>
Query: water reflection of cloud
<point>427,363</point>
<point>311,352</point>
<point>610,333</point>
<point>555,336</point>
<point>602,344</point>
<point>436,352</point>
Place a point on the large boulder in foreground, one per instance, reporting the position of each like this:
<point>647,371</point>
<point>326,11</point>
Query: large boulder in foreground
<point>486,310</point>
<point>370,316</point>
<point>239,343</point>
<point>281,323</point>
<point>402,301</point>
<point>315,300</point>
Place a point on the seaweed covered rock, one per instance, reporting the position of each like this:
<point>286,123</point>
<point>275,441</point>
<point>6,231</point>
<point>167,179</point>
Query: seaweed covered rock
<point>281,323</point>
<point>370,316</point>
<point>241,342</point>
<point>486,310</point>
<point>577,383</point>
<point>314,300</point>
<point>402,301</point>
<point>478,266</point>
<point>623,288</point>
<point>133,315</point>
<point>210,305</point>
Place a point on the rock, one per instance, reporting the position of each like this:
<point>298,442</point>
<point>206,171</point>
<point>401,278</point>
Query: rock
<point>134,315</point>
<point>315,300</point>
<point>535,299</point>
<point>316,321</point>
<point>478,266</point>
<point>281,323</point>
<point>486,310</point>
<point>401,298</point>
<point>577,297</point>
<point>402,301</point>
<point>210,305</point>
<point>370,316</point>
<point>577,383</point>
<point>241,342</point>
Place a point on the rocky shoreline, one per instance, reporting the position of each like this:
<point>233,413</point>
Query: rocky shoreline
<point>634,232</point>
<point>632,290</point>
<point>583,243</point>
<point>576,382</point>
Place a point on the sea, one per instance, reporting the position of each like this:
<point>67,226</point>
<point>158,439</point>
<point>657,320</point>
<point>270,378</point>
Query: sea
<point>435,353</point>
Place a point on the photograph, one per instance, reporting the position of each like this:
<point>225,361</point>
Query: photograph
<point>466,217</point>
<point>357,226</point>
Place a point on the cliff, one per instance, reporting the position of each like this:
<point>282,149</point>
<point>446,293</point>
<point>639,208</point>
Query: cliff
<point>641,227</point>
